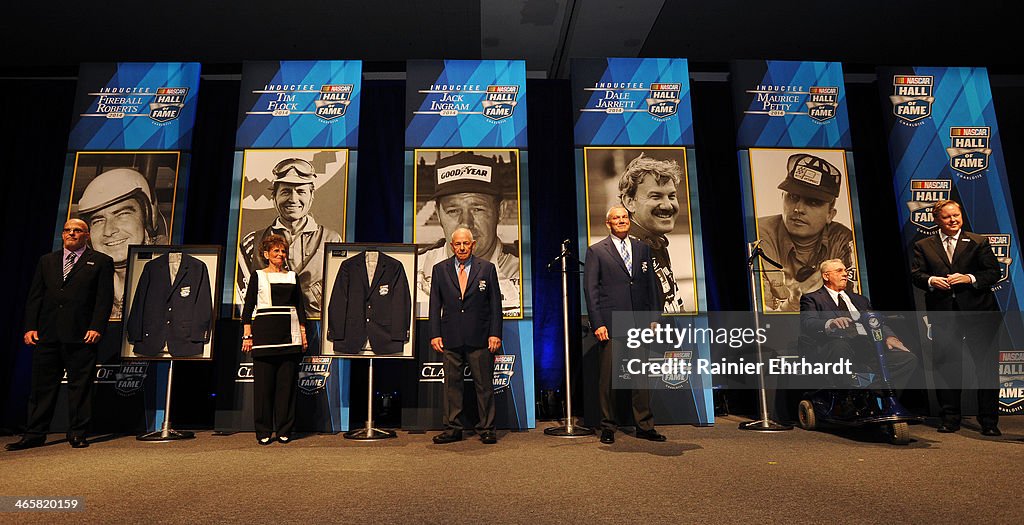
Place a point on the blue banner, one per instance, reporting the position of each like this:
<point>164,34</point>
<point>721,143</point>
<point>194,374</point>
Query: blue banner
<point>633,117</point>
<point>466,103</point>
<point>944,144</point>
<point>135,106</point>
<point>299,104</point>
<point>797,176</point>
<point>465,127</point>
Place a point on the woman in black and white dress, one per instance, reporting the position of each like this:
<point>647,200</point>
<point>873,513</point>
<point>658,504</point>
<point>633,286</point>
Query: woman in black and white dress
<point>274,330</point>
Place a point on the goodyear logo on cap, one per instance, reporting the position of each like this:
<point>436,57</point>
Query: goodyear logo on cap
<point>822,102</point>
<point>969,149</point>
<point>807,175</point>
<point>663,99</point>
<point>912,97</point>
<point>463,172</point>
<point>923,194</point>
<point>167,104</point>
<point>333,100</point>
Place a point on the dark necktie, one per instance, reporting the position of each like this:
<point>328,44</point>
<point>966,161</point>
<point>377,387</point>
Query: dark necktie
<point>69,263</point>
<point>842,303</point>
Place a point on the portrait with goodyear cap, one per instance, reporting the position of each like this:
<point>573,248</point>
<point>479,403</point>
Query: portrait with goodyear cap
<point>805,233</point>
<point>469,191</point>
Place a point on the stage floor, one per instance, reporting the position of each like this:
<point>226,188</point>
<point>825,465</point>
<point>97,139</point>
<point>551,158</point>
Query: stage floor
<point>716,474</point>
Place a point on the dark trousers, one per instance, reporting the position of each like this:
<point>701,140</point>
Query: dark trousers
<point>481,367</point>
<point>861,352</point>
<point>641,396</point>
<point>956,335</point>
<point>48,364</point>
<point>275,381</point>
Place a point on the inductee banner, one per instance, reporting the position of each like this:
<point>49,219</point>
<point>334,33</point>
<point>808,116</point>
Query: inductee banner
<point>797,176</point>
<point>299,104</point>
<point>944,144</point>
<point>130,106</point>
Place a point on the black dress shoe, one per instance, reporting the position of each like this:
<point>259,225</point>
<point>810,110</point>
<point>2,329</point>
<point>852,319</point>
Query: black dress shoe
<point>607,436</point>
<point>26,442</point>
<point>991,431</point>
<point>78,442</point>
<point>264,440</point>
<point>489,437</point>
<point>948,428</point>
<point>450,436</point>
<point>284,439</point>
<point>650,435</point>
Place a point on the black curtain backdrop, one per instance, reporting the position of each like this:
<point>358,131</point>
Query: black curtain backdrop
<point>33,138</point>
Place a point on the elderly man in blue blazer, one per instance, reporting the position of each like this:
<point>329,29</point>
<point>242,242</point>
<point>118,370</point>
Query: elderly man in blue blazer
<point>465,327</point>
<point>619,277</point>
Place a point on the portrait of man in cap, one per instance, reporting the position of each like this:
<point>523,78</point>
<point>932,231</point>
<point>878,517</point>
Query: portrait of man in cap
<point>808,230</point>
<point>651,184</point>
<point>281,187</point>
<point>121,207</point>
<point>478,190</point>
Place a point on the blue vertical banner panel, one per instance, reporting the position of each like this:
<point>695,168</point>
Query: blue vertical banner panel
<point>135,106</point>
<point>944,144</point>
<point>299,104</point>
<point>633,116</point>
<point>298,128</point>
<point>127,176</point>
<point>466,166</point>
<point>466,103</point>
<point>797,176</point>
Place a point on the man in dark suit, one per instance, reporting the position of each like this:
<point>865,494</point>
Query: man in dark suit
<point>66,314</point>
<point>465,326</point>
<point>828,331</point>
<point>619,277</point>
<point>171,311</point>
<point>957,269</point>
<point>370,304</point>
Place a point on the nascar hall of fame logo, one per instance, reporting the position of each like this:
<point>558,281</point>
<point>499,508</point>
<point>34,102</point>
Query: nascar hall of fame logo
<point>923,194</point>
<point>130,377</point>
<point>504,369</point>
<point>912,98</point>
<point>663,99</point>
<point>313,374</point>
<point>822,102</point>
<point>167,104</point>
<point>499,102</point>
<point>678,376</point>
<point>1000,243</point>
<point>333,101</point>
<point>968,150</point>
<point>1011,382</point>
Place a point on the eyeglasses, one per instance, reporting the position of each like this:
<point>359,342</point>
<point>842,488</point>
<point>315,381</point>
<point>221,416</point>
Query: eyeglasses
<point>74,230</point>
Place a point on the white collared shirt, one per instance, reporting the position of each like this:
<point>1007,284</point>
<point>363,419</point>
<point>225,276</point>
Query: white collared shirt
<point>619,243</point>
<point>854,312</point>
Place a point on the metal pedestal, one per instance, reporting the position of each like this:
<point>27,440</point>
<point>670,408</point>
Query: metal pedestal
<point>166,433</point>
<point>369,432</point>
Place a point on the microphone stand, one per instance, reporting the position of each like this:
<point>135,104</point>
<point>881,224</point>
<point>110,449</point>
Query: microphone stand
<point>569,429</point>
<point>765,424</point>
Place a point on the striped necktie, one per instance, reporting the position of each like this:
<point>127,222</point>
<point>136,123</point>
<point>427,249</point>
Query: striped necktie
<point>69,263</point>
<point>625,256</point>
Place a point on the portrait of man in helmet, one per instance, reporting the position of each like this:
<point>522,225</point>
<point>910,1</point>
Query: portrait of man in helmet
<point>300,195</point>
<point>116,195</point>
<point>802,204</point>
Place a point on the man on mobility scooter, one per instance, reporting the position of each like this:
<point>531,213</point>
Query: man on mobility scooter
<point>837,324</point>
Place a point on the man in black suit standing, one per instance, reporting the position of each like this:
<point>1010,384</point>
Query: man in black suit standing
<point>619,277</point>
<point>957,269</point>
<point>828,331</point>
<point>465,327</point>
<point>66,314</point>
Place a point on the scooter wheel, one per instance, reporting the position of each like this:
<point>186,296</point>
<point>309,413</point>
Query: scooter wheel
<point>805,415</point>
<point>899,433</point>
